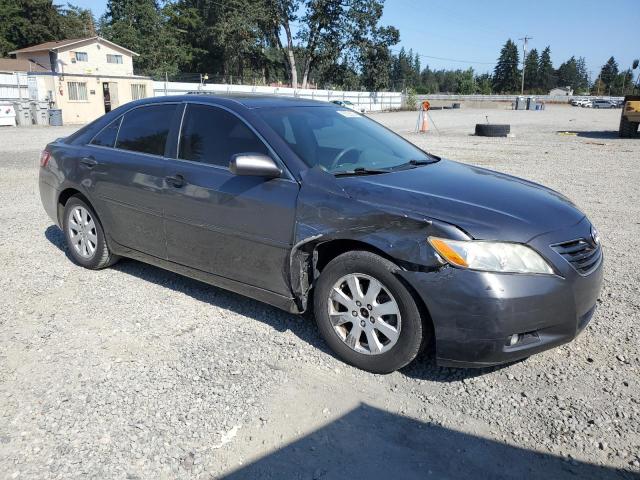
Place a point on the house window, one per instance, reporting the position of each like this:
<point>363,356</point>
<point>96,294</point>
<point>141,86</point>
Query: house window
<point>138,91</point>
<point>82,57</point>
<point>114,58</point>
<point>77,91</point>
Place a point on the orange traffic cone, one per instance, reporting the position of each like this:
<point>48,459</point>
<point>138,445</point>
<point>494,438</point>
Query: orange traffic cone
<point>424,127</point>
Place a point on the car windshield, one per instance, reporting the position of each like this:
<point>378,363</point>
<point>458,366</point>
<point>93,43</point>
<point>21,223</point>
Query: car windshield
<point>340,141</point>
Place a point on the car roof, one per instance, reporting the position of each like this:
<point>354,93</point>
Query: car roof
<point>248,101</point>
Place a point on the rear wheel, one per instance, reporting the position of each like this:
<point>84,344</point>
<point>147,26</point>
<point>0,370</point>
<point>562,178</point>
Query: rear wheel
<point>366,314</point>
<point>85,236</point>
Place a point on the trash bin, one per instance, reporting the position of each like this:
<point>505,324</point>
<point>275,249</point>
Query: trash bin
<point>55,117</point>
<point>531,103</point>
<point>23,114</point>
<point>456,106</point>
<point>521,103</point>
<point>7,115</point>
<point>39,113</point>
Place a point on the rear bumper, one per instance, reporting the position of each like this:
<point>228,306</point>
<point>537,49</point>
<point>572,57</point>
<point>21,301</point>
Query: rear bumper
<point>475,313</point>
<point>49,198</point>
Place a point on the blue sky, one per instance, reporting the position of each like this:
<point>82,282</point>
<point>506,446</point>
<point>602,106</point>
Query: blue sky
<point>474,31</point>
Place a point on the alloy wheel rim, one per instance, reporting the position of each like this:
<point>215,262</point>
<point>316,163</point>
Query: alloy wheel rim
<point>364,314</point>
<point>82,232</point>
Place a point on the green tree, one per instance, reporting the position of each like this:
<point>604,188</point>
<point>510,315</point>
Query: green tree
<point>583,75</point>
<point>531,65</point>
<point>224,37</point>
<point>402,76</point>
<point>568,75</point>
<point>345,28</point>
<point>76,22</point>
<point>609,72</point>
<point>546,73</point>
<point>484,83</point>
<point>506,75</point>
<point>142,26</point>
<point>28,22</point>
<point>375,58</point>
<point>466,83</point>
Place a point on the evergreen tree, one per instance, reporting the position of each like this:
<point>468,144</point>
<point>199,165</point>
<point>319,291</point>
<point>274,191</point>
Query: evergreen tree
<point>531,82</point>
<point>28,22</point>
<point>568,75</point>
<point>609,72</point>
<point>141,26</point>
<point>546,73</point>
<point>77,22</point>
<point>583,75</point>
<point>506,75</point>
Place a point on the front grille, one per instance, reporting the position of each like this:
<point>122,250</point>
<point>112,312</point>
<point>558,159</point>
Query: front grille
<point>582,254</point>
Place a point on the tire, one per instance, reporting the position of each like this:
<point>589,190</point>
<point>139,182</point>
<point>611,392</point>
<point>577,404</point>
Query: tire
<point>627,129</point>
<point>84,235</point>
<point>492,130</point>
<point>405,329</point>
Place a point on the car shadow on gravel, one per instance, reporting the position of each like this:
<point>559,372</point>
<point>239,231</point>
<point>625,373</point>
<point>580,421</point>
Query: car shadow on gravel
<point>596,134</point>
<point>375,444</point>
<point>423,368</point>
<point>301,326</point>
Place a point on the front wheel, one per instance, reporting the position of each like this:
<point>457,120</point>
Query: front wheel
<point>366,314</point>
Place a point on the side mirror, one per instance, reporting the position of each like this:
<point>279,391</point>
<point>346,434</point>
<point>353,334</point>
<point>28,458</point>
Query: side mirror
<point>254,164</point>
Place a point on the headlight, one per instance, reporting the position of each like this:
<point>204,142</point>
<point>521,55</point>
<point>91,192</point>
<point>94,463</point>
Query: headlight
<point>490,256</point>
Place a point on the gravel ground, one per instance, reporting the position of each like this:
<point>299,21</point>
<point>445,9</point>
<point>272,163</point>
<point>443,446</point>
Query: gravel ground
<point>134,372</point>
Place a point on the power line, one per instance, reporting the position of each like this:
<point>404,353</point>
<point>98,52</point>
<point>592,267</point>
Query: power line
<point>448,59</point>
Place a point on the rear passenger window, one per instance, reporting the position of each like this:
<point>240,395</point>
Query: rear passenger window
<point>212,135</point>
<point>107,137</point>
<point>146,129</point>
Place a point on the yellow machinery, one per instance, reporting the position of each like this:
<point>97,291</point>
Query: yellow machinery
<point>630,116</point>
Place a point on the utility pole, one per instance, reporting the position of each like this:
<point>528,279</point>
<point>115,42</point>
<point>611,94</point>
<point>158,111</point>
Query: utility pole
<point>525,39</point>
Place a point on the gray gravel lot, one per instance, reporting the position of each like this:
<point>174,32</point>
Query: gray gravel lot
<point>134,372</point>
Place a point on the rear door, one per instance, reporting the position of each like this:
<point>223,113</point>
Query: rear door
<point>125,165</point>
<point>238,227</point>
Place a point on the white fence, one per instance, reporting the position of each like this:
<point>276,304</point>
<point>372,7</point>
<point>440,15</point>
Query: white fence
<point>13,86</point>
<point>509,98</point>
<point>367,101</point>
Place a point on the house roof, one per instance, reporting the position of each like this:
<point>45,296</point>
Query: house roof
<point>20,65</point>
<point>58,44</point>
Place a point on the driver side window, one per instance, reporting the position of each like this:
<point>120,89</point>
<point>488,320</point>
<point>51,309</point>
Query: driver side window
<point>212,135</point>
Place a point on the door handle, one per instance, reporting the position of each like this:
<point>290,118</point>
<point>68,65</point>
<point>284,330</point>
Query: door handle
<point>176,181</point>
<point>89,162</point>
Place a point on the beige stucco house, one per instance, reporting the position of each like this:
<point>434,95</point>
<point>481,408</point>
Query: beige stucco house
<point>84,77</point>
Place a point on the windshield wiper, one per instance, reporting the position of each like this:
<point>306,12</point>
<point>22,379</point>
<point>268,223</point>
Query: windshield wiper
<point>361,171</point>
<point>416,163</point>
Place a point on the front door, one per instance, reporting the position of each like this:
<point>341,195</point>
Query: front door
<point>237,227</point>
<point>106,94</point>
<point>127,177</point>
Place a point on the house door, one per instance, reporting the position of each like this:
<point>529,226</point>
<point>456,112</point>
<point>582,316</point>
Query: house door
<point>113,94</point>
<point>106,93</point>
<point>110,94</point>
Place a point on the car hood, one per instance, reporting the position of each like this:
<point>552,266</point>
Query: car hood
<point>486,204</point>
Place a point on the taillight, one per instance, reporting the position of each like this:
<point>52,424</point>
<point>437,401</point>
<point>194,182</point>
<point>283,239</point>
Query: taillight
<point>44,158</point>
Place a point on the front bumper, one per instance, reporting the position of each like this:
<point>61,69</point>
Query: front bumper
<point>474,314</point>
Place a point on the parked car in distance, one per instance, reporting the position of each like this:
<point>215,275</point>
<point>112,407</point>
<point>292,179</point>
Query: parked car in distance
<point>579,102</point>
<point>587,104</point>
<point>601,103</point>
<point>310,206</point>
